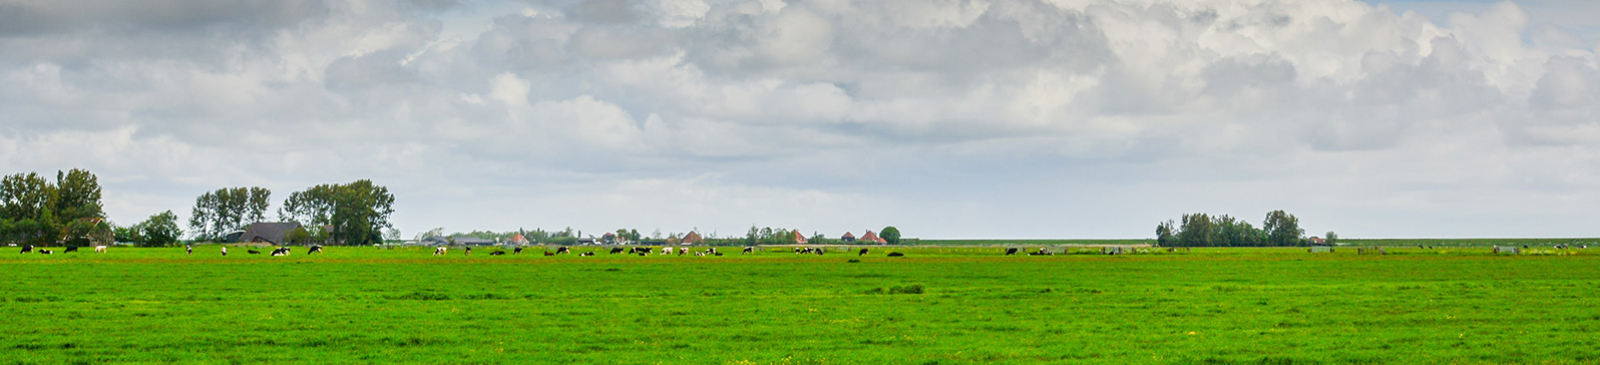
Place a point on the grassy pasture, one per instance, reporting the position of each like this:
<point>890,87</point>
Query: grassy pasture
<point>938,305</point>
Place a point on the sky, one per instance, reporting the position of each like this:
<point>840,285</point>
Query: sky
<point>944,118</point>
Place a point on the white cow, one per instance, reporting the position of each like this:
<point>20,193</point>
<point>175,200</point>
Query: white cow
<point>99,249</point>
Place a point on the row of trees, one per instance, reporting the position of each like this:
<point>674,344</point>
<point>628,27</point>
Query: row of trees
<point>1203,230</point>
<point>37,211</point>
<point>354,214</point>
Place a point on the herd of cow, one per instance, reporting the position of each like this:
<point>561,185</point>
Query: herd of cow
<point>646,251</point>
<point>29,248</point>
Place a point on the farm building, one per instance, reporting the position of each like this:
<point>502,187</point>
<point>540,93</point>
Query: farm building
<point>847,237</point>
<point>518,239</point>
<point>872,238</point>
<point>472,241</point>
<point>691,238</point>
<point>799,238</point>
<point>265,232</point>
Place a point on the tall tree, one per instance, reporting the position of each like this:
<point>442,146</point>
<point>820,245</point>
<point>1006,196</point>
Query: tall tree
<point>25,196</point>
<point>357,212</point>
<point>228,209</point>
<point>890,234</point>
<point>77,196</point>
<point>1283,229</point>
<point>1165,234</point>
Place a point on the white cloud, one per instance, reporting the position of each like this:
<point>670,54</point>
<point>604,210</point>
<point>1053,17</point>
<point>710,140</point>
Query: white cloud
<point>950,118</point>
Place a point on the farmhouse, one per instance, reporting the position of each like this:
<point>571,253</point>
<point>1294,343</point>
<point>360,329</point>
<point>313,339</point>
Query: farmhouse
<point>872,238</point>
<point>847,237</point>
<point>265,232</point>
<point>799,238</point>
<point>691,238</point>
<point>1318,241</point>
<point>518,239</point>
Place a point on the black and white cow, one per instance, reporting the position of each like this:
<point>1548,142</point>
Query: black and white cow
<point>45,252</point>
<point>254,252</point>
<point>440,251</point>
<point>314,249</point>
<point>497,253</point>
<point>517,250</point>
<point>1011,251</point>
<point>562,250</point>
<point>26,249</point>
<point>466,250</point>
<point>682,251</point>
<point>586,254</point>
<point>224,250</point>
<point>281,251</point>
<point>820,251</point>
<point>896,254</point>
<point>189,249</point>
<point>616,250</point>
<point>711,250</point>
<point>748,250</point>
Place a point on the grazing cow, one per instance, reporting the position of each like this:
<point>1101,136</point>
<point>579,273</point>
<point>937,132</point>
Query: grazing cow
<point>1045,252</point>
<point>224,250</point>
<point>548,253</point>
<point>562,250</point>
<point>517,250</point>
<point>711,250</point>
<point>643,254</point>
<point>896,254</point>
<point>586,254</point>
<point>314,249</point>
<point>646,250</point>
<point>497,253</point>
<point>820,251</point>
<point>863,252</point>
<point>440,251</point>
<point>26,249</point>
<point>189,248</point>
<point>1011,251</point>
<point>71,249</point>
<point>748,250</point>
<point>616,250</point>
<point>466,251</point>
<point>99,249</point>
<point>254,252</point>
<point>45,252</point>
<point>682,251</point>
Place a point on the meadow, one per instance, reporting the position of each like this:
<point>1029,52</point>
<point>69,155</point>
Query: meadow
<point>937,305</point>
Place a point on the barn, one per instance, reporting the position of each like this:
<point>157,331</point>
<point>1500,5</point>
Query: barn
<point>267,232</point>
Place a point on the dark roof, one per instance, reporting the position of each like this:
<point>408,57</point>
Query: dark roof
<point>469,240</point>
<point>267,232</point>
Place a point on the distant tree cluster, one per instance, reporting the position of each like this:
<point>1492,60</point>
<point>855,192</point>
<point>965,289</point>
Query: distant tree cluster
<point>37,211</point>
<point>1203,230</point>
<point>355,214</point>
<point>226,210</point>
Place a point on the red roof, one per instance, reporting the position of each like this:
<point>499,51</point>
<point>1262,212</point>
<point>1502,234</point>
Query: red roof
<point>847,235</point>
<point>799,238</point>
<point>872,237</point>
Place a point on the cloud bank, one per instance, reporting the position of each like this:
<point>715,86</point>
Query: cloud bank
<point>1004,118</point>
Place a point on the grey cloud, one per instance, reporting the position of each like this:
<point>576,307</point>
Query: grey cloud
<point>24,18</point>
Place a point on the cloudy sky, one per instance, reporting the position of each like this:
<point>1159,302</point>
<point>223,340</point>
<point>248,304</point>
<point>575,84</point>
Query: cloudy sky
<point>948,119</point>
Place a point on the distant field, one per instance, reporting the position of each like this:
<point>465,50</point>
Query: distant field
<point>937,305</point>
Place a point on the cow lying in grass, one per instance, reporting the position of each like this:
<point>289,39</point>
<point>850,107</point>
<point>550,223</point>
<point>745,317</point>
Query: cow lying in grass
<point>497,253</point>
<point>896,254</point>
<point>254,252</point>
<point>71,249</point>
<point>45,252</point>
<point>586,254</point>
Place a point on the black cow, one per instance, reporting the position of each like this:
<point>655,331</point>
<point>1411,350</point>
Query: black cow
<point>896,254</point>
<point>497,253</point>
<point>45,252</point>
<point>71,249</point>
<point>717,253</point>
<point>863,252</point>
<point>314,249</point>
<point>1011,251</point>
<point>586,254</point>
<point>562,250</point>
<point>26,249</point>
<point>616,250</point>
<point>516,250</point>
<point>254,252</point>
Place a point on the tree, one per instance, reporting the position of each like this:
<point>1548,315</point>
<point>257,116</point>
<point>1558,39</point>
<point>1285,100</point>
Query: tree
<point>160,229</point>
<point>1164,234</point>
<point>77,196</point>
<point>890,235</point>
<point>1332,239</point>
<point>25,196</point>
<point>228,209</point>
<point>356,212</point>
<point>1283,229</point>
<point>1198,231</point>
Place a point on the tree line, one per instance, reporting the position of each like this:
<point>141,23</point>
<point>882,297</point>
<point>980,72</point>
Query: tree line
<point>356,213</point>
<point>35,210</point>
<point>1204,230</point>
<point>755,236</point>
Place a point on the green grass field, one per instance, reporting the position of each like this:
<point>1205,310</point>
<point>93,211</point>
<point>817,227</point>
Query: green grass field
<point>937,305</point>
